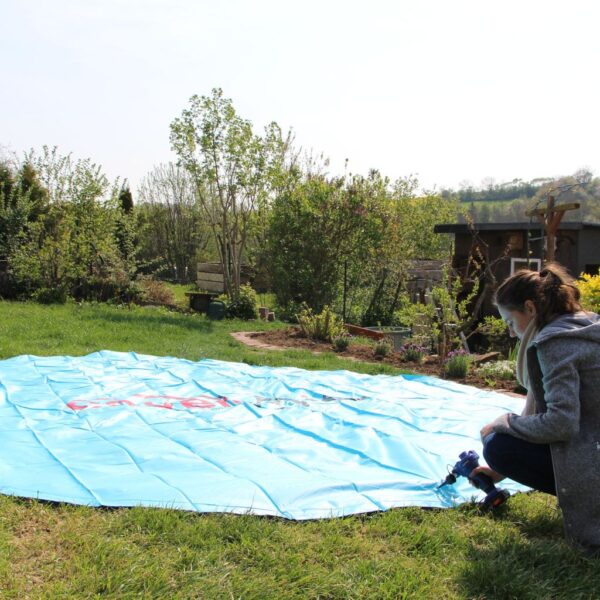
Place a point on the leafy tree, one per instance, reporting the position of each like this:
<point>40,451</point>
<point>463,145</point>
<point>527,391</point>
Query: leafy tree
<point>126,230</point>
<point>325,239</point>
<point>581,187</point>
<point>346,242</point>
<point>22,201</point>
<point>126,199</point>
<point>172,229</point>
<point>307,231</point>
<point>7,180</point>
<point>233,169</point>
<point>419,217</point>
<point>73,246</point>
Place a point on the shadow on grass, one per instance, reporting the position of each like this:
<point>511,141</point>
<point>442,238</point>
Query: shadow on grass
<point>531,561</point>
<point>540,568</point>
<point>153,318</point>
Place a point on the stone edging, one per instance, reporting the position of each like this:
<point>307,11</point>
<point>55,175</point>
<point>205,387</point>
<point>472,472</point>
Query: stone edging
<point>245,337</point>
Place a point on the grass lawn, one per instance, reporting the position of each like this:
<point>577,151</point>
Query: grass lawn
<point>61,551</point>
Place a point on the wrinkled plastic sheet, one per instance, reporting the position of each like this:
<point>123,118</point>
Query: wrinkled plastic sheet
<point>123,429</point>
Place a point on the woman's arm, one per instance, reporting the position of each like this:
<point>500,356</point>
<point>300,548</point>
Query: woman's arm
<point>560,422</point>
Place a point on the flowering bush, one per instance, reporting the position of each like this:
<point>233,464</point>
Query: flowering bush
<point>412,352</point>
<point>500,369</point>
<point>457,364</point>
<point>589,288</point>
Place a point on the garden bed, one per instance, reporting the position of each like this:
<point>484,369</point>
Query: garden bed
<point>291,337</point>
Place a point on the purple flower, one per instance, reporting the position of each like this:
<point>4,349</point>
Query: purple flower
<point>456,353</point>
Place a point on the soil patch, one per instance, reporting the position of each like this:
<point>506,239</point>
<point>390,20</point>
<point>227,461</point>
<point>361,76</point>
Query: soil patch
<point>291,337</point>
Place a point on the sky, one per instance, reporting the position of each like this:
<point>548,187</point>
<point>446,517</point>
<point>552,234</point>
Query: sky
<point>451,92</point>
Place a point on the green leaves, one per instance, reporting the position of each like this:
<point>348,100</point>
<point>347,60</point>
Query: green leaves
<point>234,170</point>
<point>67,230</point>
<point>325,326</point>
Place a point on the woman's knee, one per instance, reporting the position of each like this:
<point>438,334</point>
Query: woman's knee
<point>494,451</point>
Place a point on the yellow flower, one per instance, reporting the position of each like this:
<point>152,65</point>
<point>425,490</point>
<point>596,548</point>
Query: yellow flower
<point>589,288</point>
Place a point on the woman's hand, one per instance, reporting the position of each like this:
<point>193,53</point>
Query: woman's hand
<point>486,430</point>
<point>493,475</point>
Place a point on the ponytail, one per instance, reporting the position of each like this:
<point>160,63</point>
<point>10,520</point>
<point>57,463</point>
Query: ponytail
<point>557,294</point>
<point>551,290</point>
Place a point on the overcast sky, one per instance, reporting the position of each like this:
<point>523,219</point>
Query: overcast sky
<point>450,91</point>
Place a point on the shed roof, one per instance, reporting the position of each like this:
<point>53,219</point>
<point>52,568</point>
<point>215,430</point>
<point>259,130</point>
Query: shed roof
<point>524,225</point>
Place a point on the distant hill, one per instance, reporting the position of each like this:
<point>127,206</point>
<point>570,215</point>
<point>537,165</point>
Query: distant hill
<point>508,202</point>
<point>503,192</point>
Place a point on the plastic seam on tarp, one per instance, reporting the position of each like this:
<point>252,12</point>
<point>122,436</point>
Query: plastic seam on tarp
<point>401,420</point>
<point>218,466</point>
<point>341,447</point>
<point>344,482</point>
<point>54,457</point>
<point>368,445</point>
<point>134,460</point>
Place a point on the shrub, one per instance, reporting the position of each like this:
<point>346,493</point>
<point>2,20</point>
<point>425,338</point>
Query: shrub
<point>382,348</point>
<point>341,343</point>
<point>589,288</point>
<point>457,364</point>
<point>155,292</point>
<point>413,352</point>
<point>245,306</point>
<point>494,329</point>
<point>56,295</point>
<point>289,313</point>
<point>324,326</point>
<point>501,369</point>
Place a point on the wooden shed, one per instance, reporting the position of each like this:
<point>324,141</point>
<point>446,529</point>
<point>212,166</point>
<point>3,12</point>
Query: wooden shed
<point>511,246</point>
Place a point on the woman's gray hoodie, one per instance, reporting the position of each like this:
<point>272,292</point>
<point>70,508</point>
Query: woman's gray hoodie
<point>564,376</point>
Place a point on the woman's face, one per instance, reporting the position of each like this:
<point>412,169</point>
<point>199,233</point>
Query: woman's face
<point>517,320</point>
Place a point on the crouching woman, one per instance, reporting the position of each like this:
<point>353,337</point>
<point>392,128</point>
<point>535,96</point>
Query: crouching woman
<point>554,445</point>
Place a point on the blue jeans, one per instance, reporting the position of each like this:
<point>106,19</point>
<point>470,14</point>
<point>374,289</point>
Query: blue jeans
<point>521,461</point>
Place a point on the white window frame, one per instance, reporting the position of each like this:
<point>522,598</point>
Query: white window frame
<point>528,263</point>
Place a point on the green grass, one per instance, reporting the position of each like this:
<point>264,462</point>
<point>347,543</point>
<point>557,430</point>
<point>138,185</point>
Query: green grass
<point>179,290</point>
<point>59,551</point>
<point>78,329</point>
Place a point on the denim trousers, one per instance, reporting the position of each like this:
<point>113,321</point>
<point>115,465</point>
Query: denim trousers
<point>521,461</point>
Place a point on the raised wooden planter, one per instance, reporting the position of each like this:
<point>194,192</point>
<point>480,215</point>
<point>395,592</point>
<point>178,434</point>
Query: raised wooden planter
<point>364,332</point>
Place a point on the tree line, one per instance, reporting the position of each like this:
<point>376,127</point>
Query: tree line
<point>234,196</point>
<point>508,202</point>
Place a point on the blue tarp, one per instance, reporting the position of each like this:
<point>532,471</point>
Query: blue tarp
<point>123,429</point>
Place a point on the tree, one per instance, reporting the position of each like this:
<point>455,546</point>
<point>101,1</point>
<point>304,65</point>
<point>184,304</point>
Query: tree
<point>126,229</point>
<point>126,199</point>
<point>23,201</point>
<point>308,227</point>
<point>581,187</point>
<point>172,228</point>
<point>72,247</point>
<point>233,170</point>
<point>346,242</point>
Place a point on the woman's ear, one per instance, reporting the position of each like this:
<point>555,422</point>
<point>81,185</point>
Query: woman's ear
<point>530,308</point>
